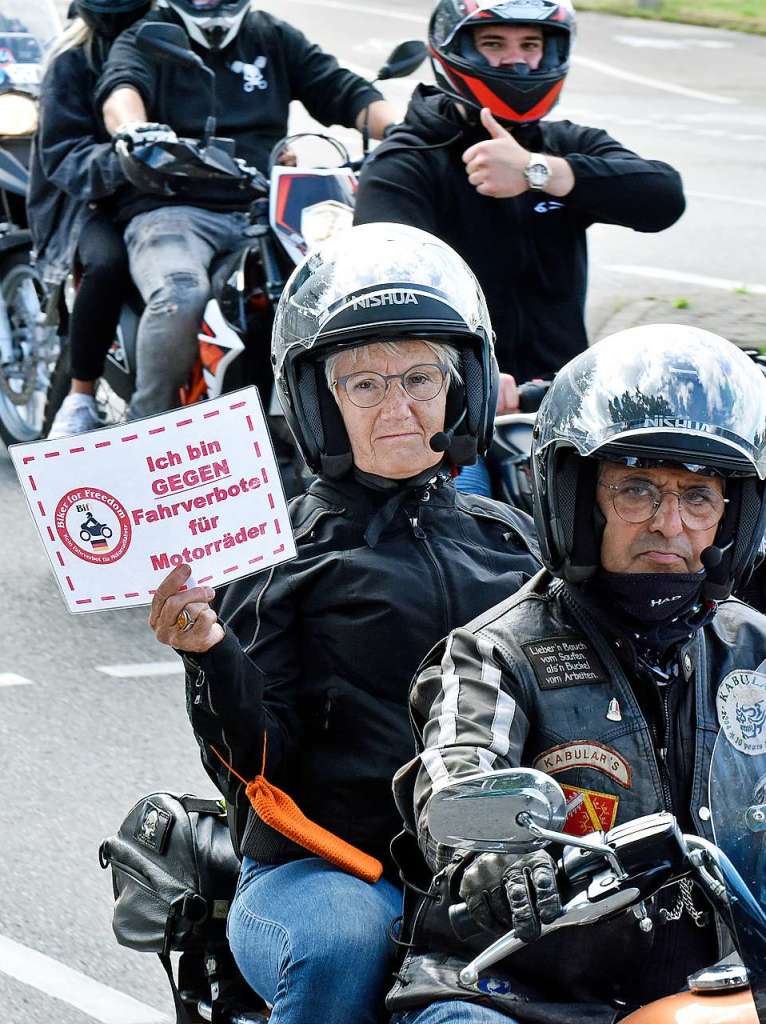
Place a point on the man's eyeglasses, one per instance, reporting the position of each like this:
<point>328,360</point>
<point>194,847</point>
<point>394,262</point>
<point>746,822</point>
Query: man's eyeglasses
<point>367,388</point>
<point>638,501</point>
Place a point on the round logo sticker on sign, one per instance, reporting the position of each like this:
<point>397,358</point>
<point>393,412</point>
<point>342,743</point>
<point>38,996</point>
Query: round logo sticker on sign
<point>93,525</point>
<point>741,705</point>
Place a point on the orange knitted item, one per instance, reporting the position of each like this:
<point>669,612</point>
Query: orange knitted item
<point>278,810</point>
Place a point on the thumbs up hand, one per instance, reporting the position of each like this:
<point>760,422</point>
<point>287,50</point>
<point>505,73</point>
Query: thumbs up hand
<point>496,167</point>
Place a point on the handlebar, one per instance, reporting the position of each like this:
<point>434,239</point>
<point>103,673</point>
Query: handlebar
<point>187,165</point>
<point>643,856</point>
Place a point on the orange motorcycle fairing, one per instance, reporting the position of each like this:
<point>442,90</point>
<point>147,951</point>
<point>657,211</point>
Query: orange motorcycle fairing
<point>692,1008</point>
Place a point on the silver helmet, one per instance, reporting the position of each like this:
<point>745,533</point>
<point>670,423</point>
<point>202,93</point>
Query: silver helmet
<point>661,393</point>
<point>381,282</point>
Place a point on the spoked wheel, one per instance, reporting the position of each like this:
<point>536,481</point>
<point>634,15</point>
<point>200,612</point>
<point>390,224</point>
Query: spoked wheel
<point>29,353</point>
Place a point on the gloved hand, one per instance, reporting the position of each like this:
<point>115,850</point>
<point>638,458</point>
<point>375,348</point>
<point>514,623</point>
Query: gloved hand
<point>504,891</point>
<point>141,133</point>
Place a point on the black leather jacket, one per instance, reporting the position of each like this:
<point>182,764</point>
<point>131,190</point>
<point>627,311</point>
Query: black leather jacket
<point>570,696</point>
<point>73,173</point>
<point>321,650</point>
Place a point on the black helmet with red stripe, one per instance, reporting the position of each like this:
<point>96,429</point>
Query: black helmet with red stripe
<point>516,93</point>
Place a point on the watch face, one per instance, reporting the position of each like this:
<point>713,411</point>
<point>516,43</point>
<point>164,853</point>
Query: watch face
<point>537,175</point>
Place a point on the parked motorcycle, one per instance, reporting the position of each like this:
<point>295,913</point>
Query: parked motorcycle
<point>292,209</point>
<point>603,875</point>
<point>28,346</point>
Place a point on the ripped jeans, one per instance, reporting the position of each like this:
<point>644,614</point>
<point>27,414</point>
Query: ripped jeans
<point>170,252</point>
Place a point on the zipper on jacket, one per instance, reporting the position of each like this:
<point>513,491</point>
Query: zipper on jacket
<point>661,747</point>
<point>421,535</point>
<point>417,529</point>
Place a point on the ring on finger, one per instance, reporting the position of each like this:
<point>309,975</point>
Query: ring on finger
<point>184,622</point>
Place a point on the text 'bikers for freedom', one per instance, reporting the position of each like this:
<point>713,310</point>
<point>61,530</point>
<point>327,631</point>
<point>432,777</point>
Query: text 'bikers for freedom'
<point>118,508</point>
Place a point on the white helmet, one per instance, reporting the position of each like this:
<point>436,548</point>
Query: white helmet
<point>212,23</point>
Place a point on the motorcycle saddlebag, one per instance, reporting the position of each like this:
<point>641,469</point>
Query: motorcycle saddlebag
<point>174,872</point>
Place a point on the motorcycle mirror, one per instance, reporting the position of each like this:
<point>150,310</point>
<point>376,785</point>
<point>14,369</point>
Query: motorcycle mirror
<point>161,40</point>
<point>403,60</point>
<point>491,812</point>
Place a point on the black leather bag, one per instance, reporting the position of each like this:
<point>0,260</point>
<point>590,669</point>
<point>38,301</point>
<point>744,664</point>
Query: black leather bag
<point>174,872</point>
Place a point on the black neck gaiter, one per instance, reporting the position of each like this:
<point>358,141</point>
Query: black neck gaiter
<point>648,598</point>
<point>661,609</point>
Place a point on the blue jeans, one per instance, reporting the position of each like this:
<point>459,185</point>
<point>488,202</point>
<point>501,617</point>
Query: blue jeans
<point>452,1012</point>
<point>313,941</point>
<point>171,249</point>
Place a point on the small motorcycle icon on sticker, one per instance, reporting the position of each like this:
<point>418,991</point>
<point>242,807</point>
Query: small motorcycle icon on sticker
<point>97,533</point>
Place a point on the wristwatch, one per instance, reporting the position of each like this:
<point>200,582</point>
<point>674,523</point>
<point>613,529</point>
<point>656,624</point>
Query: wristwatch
<point>537,172</point>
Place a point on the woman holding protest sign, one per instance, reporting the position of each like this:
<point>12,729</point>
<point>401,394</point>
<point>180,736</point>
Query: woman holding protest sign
<point>384,365</point>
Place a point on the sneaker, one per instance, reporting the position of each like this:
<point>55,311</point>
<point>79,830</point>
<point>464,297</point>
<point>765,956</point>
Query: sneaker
<point>77,414</point>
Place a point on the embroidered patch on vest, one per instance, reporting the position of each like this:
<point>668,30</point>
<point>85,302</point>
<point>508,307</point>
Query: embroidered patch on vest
<point>561,661</point>
<point>741,706</point>
<point>586,754</point>
<point>589,811</point>
<point>153,827</point>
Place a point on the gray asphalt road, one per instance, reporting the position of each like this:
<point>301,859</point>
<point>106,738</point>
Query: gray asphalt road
<point>79,746</point>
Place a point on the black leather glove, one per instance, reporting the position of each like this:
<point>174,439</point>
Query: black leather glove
<point>504,891</point>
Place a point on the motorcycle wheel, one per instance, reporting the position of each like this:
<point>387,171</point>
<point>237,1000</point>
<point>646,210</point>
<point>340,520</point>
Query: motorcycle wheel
<point>111,408</point>
<point>25,379</point>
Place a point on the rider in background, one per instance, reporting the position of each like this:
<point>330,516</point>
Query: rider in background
<point>74,176</point>
<point>475,164</point>
<point>260,64</point>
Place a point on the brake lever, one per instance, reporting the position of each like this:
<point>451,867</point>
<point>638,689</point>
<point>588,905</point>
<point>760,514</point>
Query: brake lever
<point>578,911</point>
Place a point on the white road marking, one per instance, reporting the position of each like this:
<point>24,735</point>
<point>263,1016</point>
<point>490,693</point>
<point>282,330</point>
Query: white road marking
<point>722,283</point>
<point>653,83</point>
<point>382,12</point>
<point>78,990</point>
<point>594,65</point>
<point>740,200</point>
<point>662,43</point>
<point>144,668</point>
<point>12,679</point>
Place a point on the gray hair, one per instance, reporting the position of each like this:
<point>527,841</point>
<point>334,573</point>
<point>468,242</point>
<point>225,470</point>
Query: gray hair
<point>448,355</point>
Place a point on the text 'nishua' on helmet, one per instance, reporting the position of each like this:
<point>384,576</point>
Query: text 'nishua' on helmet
<point>374,283</point>
<point>211,23</point>
<point>109,18</point>
<point>515,93</point>
<point>657,394</point>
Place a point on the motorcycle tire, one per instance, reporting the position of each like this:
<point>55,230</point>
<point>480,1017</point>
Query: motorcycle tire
<point>22,418</point>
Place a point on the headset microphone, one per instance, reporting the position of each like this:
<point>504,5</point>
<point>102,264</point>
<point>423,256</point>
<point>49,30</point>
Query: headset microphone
<point>711,557</point>
<point>440,442</point>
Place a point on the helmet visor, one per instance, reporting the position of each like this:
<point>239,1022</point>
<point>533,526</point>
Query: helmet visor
<point>450,17</point>
<point>210,7</point>
<point>661,391</point>
<point>366,275</point>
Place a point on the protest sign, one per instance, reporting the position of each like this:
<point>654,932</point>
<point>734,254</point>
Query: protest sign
<point>118,508</point>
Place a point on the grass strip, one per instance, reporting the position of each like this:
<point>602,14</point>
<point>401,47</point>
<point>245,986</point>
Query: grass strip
<point>740,15</point>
